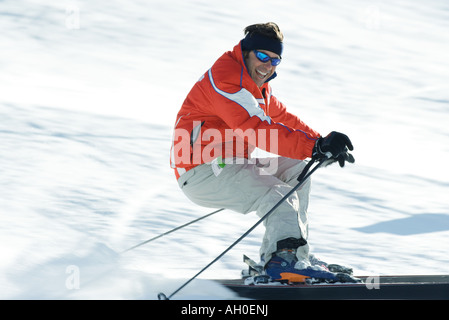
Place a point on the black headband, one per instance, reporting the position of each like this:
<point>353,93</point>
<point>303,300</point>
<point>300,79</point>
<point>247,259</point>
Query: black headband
<point>257,41</point>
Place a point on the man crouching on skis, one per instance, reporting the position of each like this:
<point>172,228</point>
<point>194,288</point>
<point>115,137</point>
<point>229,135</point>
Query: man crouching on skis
<point>227,114</point>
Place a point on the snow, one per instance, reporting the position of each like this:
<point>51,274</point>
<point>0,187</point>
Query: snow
<point>89,96</point>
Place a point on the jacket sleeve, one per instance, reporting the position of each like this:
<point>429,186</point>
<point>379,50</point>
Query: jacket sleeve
<point>279,113</point>
<point>240,110</point>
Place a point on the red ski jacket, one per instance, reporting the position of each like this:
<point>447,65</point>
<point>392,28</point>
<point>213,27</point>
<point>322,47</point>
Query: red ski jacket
<point>227,115</point>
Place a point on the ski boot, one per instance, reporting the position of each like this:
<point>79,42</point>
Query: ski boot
<point>285,267</point>
<point>314,261</point>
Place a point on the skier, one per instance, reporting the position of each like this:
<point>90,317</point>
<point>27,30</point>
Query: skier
<point>229,112</point>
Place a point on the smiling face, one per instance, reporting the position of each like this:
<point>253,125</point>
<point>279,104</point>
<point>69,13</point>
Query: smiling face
<point>258,70</point>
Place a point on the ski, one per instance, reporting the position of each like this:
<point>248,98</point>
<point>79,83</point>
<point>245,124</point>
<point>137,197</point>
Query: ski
<point>255,284</point>
<point>418,287</point>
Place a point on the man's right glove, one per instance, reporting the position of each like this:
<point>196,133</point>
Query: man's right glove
<point>334,147</point>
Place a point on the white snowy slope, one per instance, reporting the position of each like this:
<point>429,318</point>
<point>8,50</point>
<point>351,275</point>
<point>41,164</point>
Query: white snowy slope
<point>89,92</point>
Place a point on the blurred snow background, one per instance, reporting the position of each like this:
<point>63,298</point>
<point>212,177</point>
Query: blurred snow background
<point>89,92</point>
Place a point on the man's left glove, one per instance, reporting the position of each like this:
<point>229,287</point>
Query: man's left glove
<point>334,147</point>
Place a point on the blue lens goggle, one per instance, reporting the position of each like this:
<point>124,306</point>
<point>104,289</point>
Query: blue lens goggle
<point>265,58</point>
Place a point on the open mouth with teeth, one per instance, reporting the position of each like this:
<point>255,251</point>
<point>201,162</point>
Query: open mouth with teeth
<point>261,74</point>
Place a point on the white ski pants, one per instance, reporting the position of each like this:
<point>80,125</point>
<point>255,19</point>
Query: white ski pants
<point>256,187</point>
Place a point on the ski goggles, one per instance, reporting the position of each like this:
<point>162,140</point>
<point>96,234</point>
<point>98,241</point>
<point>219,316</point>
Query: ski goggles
<point>265,58</point>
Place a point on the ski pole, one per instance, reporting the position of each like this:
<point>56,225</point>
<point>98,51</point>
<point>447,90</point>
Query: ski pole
<point>162,296</point>
<point>173,230</point>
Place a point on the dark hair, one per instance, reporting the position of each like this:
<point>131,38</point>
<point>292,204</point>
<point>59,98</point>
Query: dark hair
<point>269,29</point>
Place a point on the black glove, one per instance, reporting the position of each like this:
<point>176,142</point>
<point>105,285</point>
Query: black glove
<point>334,147</point>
